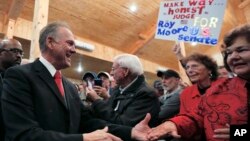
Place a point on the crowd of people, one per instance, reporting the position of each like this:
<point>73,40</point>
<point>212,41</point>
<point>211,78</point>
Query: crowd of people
<point>39,104</point>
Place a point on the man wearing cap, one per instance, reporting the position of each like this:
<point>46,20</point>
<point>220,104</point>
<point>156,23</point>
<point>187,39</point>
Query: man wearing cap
<point>104,90</point>
<point>87,81</point>
<point>170,100</point>
<point>89,78</point>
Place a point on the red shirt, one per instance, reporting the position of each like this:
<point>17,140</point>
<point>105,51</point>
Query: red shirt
<point>189,99</point>
<point>224,102</point>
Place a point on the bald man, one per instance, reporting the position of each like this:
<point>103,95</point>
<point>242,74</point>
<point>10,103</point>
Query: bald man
<point>11,53</point>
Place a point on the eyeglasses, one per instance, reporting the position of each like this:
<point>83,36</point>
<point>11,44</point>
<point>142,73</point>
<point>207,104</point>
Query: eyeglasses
<point>13,50</point>
<point>116,68</point>
<point>113,68</point>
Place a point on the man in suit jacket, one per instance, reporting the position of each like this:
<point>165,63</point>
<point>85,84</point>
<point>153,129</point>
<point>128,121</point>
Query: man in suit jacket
<point>36,109</point>
<point>10,55</point>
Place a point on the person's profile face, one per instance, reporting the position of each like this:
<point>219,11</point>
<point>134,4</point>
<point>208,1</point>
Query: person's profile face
<point>238,57</point>
<point>118,73</point>
<point>63,48</point>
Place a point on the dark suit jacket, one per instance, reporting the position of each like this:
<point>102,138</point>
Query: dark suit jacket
<point>134,103</point>
<point>1,117</point>
<point>34,110</point>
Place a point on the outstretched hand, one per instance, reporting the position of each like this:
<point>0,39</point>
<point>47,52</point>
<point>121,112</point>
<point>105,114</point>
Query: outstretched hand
<point>100,135</point>
<point>167,128</point>
<point>141,130</point>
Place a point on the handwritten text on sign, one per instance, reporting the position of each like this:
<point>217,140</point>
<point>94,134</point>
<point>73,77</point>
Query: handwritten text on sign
<point>190,20</point>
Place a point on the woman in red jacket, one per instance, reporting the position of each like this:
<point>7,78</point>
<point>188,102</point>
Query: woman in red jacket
<point>225,103</point>
<point>202,72</point>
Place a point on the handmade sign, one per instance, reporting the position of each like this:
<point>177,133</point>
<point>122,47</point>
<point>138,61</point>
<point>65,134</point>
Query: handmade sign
<point>190,20</point>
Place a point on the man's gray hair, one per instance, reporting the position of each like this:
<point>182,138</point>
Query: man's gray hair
<point>50,30</point>
<point>130,62</point>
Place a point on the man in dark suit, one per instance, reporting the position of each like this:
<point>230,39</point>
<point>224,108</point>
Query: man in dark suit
<point>37,108</point>
<point>10,55</point>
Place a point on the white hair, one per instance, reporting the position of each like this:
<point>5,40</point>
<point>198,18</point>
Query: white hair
<point>130,62</point>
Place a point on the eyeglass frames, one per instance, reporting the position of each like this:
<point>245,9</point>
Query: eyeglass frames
<point>13,50</point>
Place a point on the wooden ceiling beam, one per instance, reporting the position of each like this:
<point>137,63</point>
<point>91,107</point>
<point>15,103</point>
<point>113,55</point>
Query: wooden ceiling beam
<point>101,52</point>
<point>40,20</point>
<point>107,53</point>
<point>15,9</point>
<point>244,4</point>
<point>144,38</point>
<point>237,10</point>
<point>11,16</point>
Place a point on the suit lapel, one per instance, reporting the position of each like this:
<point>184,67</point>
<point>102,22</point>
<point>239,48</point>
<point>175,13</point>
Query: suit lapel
<point>45,76</point>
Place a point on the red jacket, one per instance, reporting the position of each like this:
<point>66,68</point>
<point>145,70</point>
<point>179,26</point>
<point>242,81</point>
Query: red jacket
<point>189,99</point>
<point>224,102</point>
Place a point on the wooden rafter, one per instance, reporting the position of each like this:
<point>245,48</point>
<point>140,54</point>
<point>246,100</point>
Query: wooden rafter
<point>144,38</point>
<point>238,11</point>
<point>15,9</point>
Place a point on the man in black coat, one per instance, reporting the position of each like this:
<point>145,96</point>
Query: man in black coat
<point>132,99</point>
<point>11,53</point>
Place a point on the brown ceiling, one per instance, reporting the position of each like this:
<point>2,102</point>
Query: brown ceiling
<point>112,24</point>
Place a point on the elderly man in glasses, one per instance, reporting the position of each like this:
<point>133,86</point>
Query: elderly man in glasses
<point>10,55</point>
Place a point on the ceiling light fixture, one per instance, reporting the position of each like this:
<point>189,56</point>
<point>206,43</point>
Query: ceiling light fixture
<point>133,8</point>
<point>85,46</point>
<point>194,43</point>
<point>79,68</point>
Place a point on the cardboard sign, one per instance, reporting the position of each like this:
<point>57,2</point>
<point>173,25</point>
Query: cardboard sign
<point>190,20</point>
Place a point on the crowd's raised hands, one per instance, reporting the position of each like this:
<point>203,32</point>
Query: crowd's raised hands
<point>177,51</point>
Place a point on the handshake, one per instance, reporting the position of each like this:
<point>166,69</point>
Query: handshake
<point>142,132</point>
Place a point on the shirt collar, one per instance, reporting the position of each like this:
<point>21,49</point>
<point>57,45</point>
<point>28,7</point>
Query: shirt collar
<point>174,91</point>
<point>122,90</point>
<point>48,65</point>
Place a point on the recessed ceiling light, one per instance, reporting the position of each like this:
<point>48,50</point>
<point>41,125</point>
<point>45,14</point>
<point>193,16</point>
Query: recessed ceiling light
<point>194,43</point>
<point>79,68</point>
<point>133,8</point>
